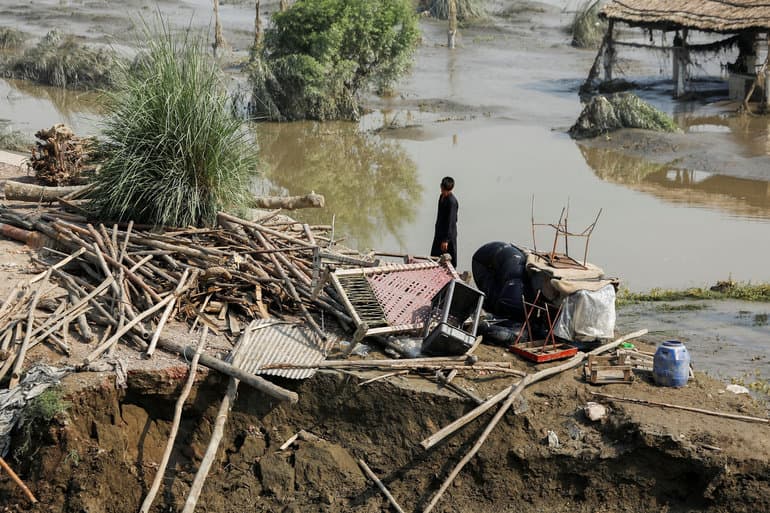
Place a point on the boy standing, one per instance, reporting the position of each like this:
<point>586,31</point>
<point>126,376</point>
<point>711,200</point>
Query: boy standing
<point>445,233</point>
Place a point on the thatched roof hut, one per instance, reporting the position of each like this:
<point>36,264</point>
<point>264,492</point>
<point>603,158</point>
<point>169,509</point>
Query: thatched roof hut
<point>724,16</point>
<point>743,21</point>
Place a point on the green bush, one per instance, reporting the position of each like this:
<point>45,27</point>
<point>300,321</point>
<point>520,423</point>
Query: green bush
<point>175,152</point>
<point>62,62</point>
<point>320,53</point>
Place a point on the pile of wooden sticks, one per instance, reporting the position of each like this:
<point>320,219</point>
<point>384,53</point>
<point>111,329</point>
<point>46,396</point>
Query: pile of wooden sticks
<point>130,280</point>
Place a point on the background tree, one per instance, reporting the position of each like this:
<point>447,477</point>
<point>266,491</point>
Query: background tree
<point>320,54</point>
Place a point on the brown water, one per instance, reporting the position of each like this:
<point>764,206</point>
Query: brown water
<point>492,114</point>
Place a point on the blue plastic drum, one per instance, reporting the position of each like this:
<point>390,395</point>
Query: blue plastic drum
<point>671,365</point>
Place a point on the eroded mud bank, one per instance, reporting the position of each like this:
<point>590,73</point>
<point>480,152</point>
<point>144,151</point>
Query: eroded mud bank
<point>102,455</point>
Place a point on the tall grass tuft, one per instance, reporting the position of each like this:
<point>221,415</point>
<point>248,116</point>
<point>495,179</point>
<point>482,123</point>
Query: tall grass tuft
<point>586,28</point>
<point>176,153</point>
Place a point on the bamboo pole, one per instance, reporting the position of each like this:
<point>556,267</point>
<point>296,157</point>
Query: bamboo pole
<point>684,408</point>
<point>167,312</point>
<point>121,331</point>
<point>381,486</point>
<point>211,362</point>
<point>18,481</point>
<point>17,366</point>
<point>175,423</point>
<point>511,396</point>
<point>437,437</point>
<point>211,450</point>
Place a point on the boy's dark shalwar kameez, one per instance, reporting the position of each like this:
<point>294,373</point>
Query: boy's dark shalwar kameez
<point>446,227</point>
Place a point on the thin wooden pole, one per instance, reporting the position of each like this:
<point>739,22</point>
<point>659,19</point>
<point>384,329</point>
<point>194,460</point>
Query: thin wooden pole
<point>16,372</point>
<point>512,395</point>
<point>18,481</point>
<point>452,17</point>
<point>379,483</point>
<point>211,450</point>
<point>167,312</point>
<point>124,329</point>
<point>437,437</point>
<point>677,407</point>
<point>175,424</point>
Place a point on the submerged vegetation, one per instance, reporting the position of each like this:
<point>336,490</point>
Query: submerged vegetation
<point>13,140</point>
<point>608,113</point>
<point>587,29</point>
<point>60,61</point>
<point>175,152</point>
<point>10,38</point>
<point>466,9</point>
<point>319,54</point>
<point>723,290</point>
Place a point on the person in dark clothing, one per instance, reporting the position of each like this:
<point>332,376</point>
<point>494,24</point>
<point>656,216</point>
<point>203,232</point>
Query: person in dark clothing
<point>445,234</point>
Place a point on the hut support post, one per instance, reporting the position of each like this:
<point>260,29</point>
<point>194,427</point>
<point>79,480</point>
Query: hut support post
<point>766,96</point>
<point>452,32</point>
<point>609,52</point>
<point>680,65</point>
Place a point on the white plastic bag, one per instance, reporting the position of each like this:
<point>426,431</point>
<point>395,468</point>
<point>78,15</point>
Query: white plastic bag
<point>586,316</point>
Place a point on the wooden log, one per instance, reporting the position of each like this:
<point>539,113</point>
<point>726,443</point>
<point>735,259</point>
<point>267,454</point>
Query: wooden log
<point>437,437</point>
<point>684,408</point>
<point>371,475</point>
<point>211,362</point>
<point>175,424</point>
<point>18,234</point>
<point>17,191</point>
<point>18,481</point>
<point>211,450</point>
<point>311,200</point>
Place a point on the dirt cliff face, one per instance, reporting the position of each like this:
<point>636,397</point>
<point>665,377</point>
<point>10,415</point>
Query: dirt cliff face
<point>103,454</point>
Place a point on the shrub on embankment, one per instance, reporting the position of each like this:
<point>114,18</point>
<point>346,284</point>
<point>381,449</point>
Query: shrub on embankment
<point>175,153</point>
<point>319,54</point>
<point>61,61</point>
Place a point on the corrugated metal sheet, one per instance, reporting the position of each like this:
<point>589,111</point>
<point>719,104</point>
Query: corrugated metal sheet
<point>270,341</point>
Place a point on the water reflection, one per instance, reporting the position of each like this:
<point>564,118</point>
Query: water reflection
<point>39,107</point>
<point>749,134</point>
<point>370,183</point>
<point>737,196</point>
